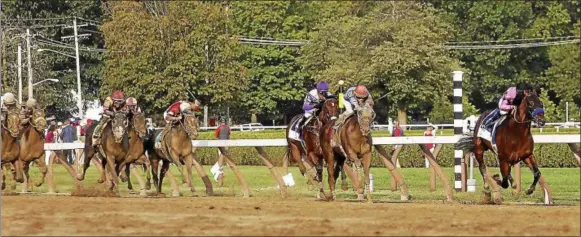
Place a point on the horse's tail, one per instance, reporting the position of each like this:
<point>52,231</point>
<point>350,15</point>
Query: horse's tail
<point>466,143</point>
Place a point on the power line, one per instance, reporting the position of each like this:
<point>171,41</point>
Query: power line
<point>513,40</point>
<point>34,19</point>
<point>513,46</point>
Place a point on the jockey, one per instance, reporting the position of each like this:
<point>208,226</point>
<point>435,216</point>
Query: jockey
<point>132,105</point>
<point>9,104</point>
<point>313,101</point>
<point>111,105</point>
<point>505,104</point>
<point>26,112</point>
<point>353,99</point>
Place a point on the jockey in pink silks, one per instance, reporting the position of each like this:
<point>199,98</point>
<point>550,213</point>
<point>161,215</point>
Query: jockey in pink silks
<point>505,105</point>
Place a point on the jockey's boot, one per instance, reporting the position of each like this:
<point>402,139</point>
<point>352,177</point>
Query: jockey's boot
<point>98,130</point>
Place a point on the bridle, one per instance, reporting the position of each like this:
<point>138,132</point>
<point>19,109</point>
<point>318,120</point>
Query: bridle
<point>528,114</point>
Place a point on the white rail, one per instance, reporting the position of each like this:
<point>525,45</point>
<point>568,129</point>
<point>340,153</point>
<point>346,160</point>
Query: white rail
<point>542,139</point>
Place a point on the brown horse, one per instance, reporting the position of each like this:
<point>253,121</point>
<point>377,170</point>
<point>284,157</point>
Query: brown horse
<point>112,151</point>
<point>314,154</point>
<point>137,132</point>
<point>514,141</point>
<point>352,143</point>
<point>32,147</point>
<point>176,147</point>
<point>11,148</point>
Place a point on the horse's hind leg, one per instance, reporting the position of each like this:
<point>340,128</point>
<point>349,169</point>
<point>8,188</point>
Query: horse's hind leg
<point>42,166</point>
<point>479,155</point>
<point>154,170</point>
<point>532,164</point>
<point>164,168</point>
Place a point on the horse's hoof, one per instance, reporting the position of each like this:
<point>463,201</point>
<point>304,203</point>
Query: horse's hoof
<point>123,179</point>
<point>515,193</point>
<point>142,193</point>
<point>3,186</point>
<point>175,194</point>
<point>148,187</point>
<point>344,186</point>
<point>100,181</point>
<point>497,198</point>
<point>38,184</point>
<point>209,194</point>
<point>529,191</point>
<point>185,185</point>
<point>131,191</point>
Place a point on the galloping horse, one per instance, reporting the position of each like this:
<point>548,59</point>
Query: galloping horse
<point>137,132</point>
<point>514,140</point>
<point>112,149</point>
<point>314,154</point>
<point>176,147</point>
<point>351,142</point>
<point>32,147</point>
<point>11,147</point>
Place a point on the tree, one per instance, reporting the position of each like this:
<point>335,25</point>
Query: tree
<point>161,52</point>
<point>395,46</point>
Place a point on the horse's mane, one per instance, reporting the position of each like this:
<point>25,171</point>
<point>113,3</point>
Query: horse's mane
<point>520,95</point>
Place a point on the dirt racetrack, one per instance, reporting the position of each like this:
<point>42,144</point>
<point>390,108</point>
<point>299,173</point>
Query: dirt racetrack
<point>63,215</point>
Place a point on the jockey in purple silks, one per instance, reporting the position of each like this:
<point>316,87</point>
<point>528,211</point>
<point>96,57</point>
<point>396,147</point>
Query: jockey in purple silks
<point>313,102</point>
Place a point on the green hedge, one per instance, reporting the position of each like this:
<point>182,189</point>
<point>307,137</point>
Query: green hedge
<point>547,155</point>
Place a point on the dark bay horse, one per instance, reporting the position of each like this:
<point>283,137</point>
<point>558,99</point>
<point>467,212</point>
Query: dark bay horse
<point>514,141</point>
<point>352,143</point>
<point>112,151</point>
<point>11,147</point>
<point>32,147</point>
<point>136,132</point>
<point>314,154</point>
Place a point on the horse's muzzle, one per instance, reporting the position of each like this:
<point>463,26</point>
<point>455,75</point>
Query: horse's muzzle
<point>539,121</point>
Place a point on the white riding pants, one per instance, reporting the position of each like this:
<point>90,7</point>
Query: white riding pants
<point>348,107</point>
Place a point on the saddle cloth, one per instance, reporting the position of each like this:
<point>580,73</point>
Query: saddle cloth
<point>295,132</point>
<point>487,134</point>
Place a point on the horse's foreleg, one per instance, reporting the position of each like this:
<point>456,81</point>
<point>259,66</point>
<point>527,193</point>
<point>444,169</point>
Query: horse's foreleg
<point>110,162</point>
<point>147,170</point>
<point>344,184</point>
<point>505,172</point>
<point>18,175</point>
<point>26,183</point>
<point>532,164</point>
<point>295,152</point>
<point>127,174</point>
<point>42,167</point>
<point>366,169</point>
<point>189,162</point>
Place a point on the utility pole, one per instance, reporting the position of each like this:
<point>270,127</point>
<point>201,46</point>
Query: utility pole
<point>80,99</point>
<point>30,96</point>
<point>19,72</point>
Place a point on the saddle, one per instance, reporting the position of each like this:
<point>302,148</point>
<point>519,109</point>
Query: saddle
<point>296,132</point>
<point>489,134</point>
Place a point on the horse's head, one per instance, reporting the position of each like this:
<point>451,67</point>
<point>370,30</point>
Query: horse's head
<point>119,126</point>
<point>12,123</point>
<point>533,107</point>
<point>365,117</point>
<point>191,125</point>
<point>139,124</point>
<point>330,110</point>
<point>39,120</point>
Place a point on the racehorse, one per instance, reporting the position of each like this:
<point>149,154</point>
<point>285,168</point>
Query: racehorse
<point>176,147</point>
<point>32,147</point>
<point>11,148</point>
<point>136,132</point>
<point>314,154</point>
<point>514,141</point>
<point>112,150</point>
<point>352,143</point>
